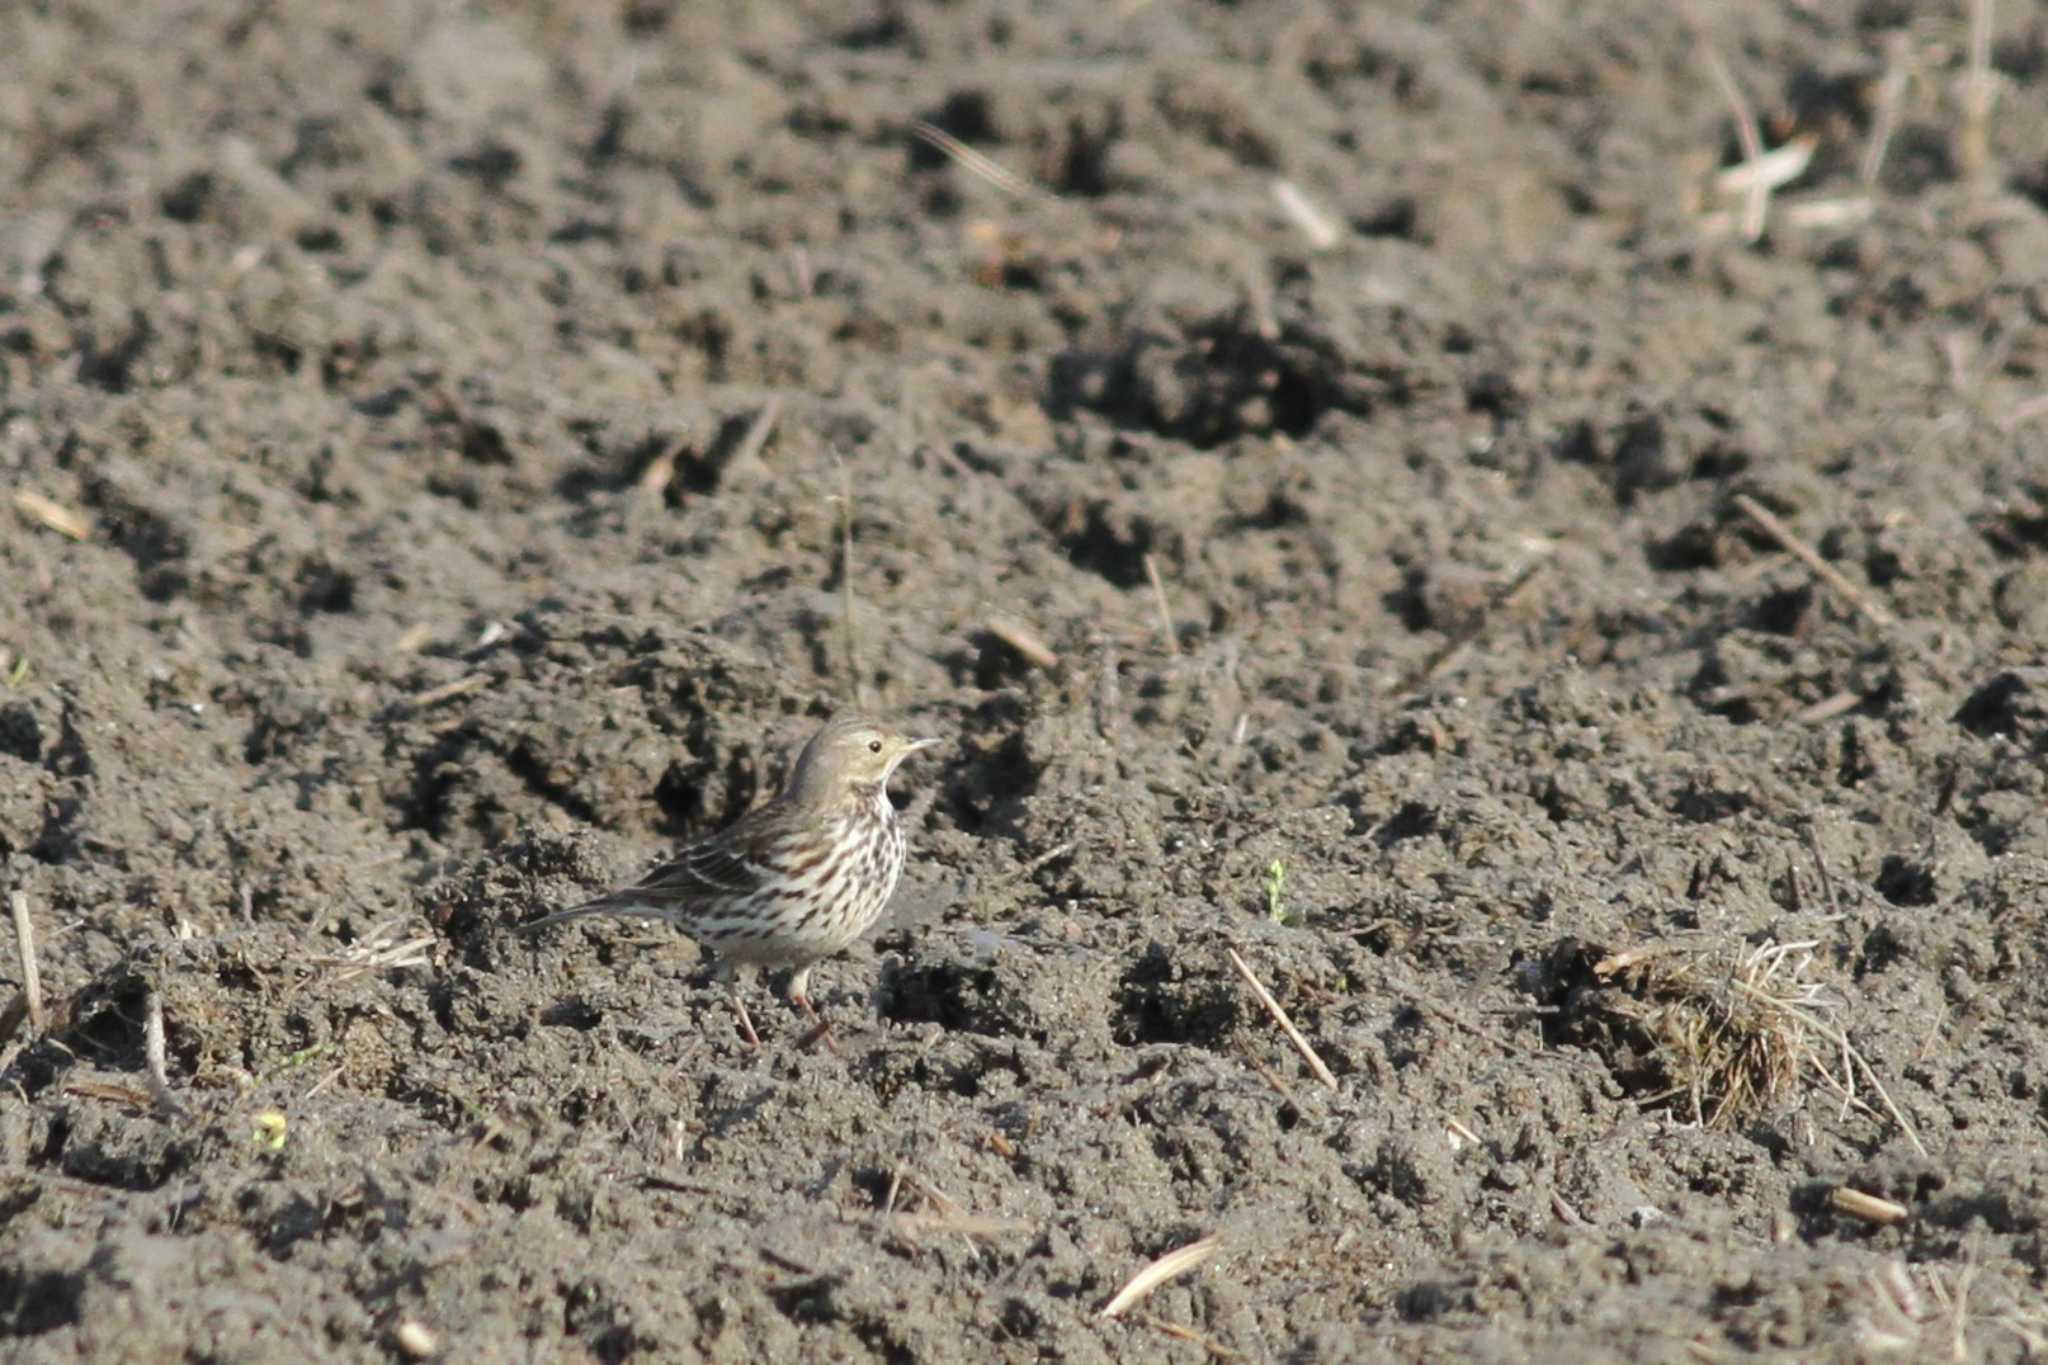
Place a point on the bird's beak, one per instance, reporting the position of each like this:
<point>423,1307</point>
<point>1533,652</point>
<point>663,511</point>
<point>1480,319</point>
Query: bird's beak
<point>911,746</point>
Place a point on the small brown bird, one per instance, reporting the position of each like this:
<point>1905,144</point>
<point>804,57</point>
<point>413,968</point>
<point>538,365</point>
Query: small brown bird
<point>792,882</point>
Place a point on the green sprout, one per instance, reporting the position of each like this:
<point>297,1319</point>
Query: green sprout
<point>294,1060</point>
<point>1276,893</point>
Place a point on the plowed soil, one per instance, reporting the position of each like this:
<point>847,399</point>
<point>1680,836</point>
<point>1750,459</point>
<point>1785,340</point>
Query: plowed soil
<point>1346,483</point>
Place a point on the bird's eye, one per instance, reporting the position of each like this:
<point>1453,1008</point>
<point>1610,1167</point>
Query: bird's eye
<point>874,746</point>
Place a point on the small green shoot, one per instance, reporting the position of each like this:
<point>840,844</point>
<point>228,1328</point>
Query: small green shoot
<point>1276,894</point>
<point>294,1060</point>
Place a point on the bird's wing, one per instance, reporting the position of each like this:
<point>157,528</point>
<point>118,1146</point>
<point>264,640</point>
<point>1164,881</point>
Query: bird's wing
<point>716,867</point>
<point>724,867</point>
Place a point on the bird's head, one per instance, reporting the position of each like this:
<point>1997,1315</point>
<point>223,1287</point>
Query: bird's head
<point>852,751</point>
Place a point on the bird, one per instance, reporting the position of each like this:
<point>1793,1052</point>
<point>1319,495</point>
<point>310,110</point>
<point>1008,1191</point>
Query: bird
<point>791,882</point>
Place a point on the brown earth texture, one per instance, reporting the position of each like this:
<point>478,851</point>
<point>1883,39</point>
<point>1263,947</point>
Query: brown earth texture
<point>1423,508</point>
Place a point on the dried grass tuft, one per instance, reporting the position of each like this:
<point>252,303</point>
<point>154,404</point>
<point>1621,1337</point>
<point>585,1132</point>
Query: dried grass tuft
<point>381,949</point>
<point>1736,1039</point>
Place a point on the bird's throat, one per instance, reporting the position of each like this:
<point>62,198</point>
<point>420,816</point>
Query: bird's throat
<point>873,798</point>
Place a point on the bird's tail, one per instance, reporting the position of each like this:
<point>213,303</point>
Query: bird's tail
<point>614,904</point>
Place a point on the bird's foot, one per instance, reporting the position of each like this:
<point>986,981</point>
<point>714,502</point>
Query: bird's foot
<point>821,1031</point>
<point>739,1007</point>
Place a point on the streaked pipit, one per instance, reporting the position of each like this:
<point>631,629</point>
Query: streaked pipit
<point>791,882</point>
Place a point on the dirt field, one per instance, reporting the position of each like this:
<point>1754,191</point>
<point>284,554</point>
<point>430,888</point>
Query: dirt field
<point>1349,487</point>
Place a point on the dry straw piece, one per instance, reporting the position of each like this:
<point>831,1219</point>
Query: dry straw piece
<point>55,515</point>
<point>1810,557</point>
<point>31,975</point>
<point>1024,640</point>
<point>968,159</point>
<point>1869,1208</point>
<point>461,687</point>
<point>1280,1017</point>
<point>1171,1266</point>
<point>417,1340</point>
<point>1926,1312</point>
<point>1321,230</point>
<point>153,1052</point>
<point>854,690</point>
<point>1168,637</point>
<point>1759,182</point>
<point>381,949</point>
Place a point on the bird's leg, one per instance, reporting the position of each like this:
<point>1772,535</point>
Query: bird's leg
<point>739,1007</point>
<point>800,996</point>
<point>821,1031</point>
